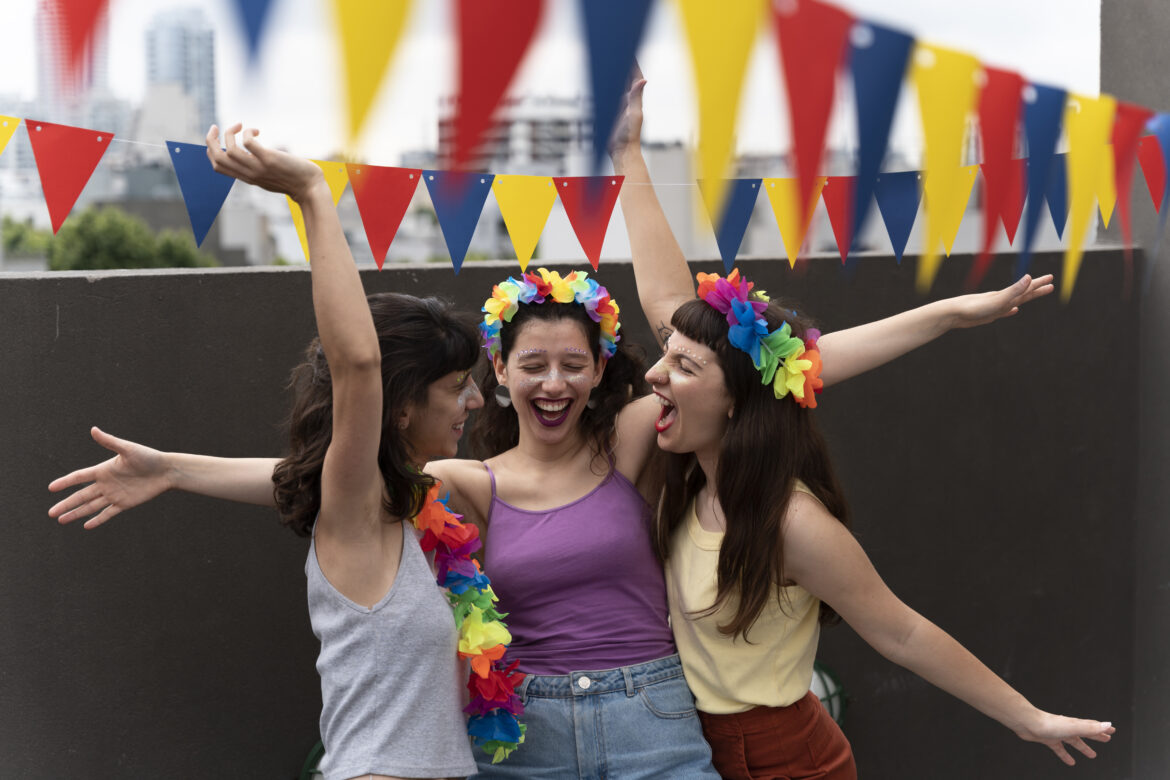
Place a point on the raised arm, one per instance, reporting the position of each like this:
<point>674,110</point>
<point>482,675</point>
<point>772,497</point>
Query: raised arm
<point>660,269</point>
<point>822,556</point>
<point>137,473</point>
<point>847,353</point>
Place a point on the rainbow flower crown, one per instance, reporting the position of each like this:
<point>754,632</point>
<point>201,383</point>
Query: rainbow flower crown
<point>783,360</point>
<point>550,285</point>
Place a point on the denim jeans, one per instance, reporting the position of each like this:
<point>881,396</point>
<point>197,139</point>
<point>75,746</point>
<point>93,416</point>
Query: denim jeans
<point>631,722</point>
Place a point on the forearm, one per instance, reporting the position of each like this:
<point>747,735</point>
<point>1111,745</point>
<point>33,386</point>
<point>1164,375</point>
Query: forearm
<point>847,353</point>
<point>938,658</point>
<point>660,269</point>
<point>245,480</point>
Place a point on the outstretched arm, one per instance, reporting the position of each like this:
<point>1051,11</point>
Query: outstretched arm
<point>660,269</point>
<point>822,556</point>
<point>847,353</point>
<point>137,473</point>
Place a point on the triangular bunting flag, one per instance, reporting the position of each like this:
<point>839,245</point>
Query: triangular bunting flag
<point>204,190</point>
<point>782,194</point>
<point>737,212</point>
<point>383,194</point>
<point>1153,169</point>
<point>76,21</point>
<point>8,125</point>
<point>1057,193</point>
<point>336,177</point>
<point>1106,186</point>
<point>494,36</point>
<point>812,37</point>
<point>838,197</point>
<point>1000,106</point>
<point>253,16</point>
<point>947,94</point>
<point>369,32</point>
<point>525,203</point>
<point>956,205</point>
<point>458,197</point>
<point>1090,124</point>
<point>613,29</point>
<point>721,37</point>
<point>66,157</point>
<point>878,63</point>
<point>898,197</point>
<point>588,202</point>
<point>1128,127</point>
<point>1008,178</point>
<point>1043,111</point>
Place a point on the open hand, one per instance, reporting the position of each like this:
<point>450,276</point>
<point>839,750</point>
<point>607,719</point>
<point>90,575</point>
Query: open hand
<point>982,308</point>
<point>1055,730</point>
<point>133,476</point>
<point>254,163</point>
<point>627,133</point>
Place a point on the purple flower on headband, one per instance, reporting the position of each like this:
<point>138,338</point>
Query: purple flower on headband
<point>746,328</point>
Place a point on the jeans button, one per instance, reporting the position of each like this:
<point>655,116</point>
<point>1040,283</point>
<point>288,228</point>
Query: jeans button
<point>584,682</point>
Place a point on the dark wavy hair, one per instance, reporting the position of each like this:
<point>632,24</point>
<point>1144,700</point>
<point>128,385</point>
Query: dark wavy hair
<point>422,340</point>
<point>768,445</point>
<point>497,429</point>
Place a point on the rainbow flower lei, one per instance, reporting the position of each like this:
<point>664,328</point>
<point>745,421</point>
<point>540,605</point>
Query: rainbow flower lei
<point>544,285</point>
<point>494,709</point>
<point>783,360</point>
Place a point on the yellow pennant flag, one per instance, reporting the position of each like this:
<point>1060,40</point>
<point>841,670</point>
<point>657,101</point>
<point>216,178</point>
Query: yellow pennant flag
<point>721,37</point>
<point>336,177</point>
<point>1089,122</point>
<point>947,95</point>
<point>1106,186</point>
<point>525,203</point>
<point>783,195</point>
<point>8,125</point>
<point>368,32</point>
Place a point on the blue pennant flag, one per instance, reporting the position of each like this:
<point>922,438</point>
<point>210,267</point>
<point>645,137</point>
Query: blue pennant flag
<point>1057,195</point>
<point>898,197</point>
<point>737,212</point>
<point>458,197</point>
<point>878,63</point>
<point>1159,126</point>
<point>1042,119</point>
<point>253,14</point>
<point>613,29</point>
<point>204,190</point>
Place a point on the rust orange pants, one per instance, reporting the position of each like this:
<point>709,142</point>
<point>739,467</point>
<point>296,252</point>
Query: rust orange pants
<point>779,743</point>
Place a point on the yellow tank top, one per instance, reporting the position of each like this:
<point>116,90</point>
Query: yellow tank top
<point>729,675</point>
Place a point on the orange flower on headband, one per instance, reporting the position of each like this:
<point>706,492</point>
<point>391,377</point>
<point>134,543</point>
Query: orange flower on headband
<point>812,377</point>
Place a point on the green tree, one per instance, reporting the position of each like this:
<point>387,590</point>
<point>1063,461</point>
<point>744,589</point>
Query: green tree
<point>21,238</point>
<point>102,239</point>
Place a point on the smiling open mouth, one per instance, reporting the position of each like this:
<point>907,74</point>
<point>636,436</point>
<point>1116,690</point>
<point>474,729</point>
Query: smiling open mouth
<point>551,413</point>
<point>666,416</point>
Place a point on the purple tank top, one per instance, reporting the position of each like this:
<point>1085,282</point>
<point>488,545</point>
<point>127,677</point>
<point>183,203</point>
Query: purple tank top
<point>580,583</point>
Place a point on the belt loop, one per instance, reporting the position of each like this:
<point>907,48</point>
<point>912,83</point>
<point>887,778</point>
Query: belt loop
<point>523,690</point>
<point>629,677</point>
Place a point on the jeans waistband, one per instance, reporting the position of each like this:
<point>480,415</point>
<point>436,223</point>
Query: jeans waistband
<point>589,683</point>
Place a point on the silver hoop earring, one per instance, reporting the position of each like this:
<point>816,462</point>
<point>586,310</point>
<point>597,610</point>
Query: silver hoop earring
<point>503,397</point>
<point>593,402</point>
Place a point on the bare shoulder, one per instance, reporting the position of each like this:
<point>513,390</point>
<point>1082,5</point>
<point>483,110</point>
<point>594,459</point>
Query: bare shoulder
<point>636,437</point>
<point>810,529</point>
<point>468,483</point>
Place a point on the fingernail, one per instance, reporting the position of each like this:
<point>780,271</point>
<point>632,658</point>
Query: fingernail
<point>1106,724</point>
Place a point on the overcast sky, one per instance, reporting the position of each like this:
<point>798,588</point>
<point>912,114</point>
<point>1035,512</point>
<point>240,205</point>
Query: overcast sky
<point>294,94</point>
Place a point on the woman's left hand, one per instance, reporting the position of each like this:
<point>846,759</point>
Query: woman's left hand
<point>253,163</point>
<point>1055,730</point>
<point>982,308</point>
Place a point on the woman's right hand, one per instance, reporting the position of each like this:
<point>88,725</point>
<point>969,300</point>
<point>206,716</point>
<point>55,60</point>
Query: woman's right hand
<point>1055,730</point>
<point>133,476</point>
<point>253,163</point>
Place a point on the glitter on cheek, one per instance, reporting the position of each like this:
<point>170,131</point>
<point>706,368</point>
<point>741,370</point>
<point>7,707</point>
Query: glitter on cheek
<point>465,397</point>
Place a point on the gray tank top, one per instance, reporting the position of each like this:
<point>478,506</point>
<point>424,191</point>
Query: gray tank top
<point>391,692</point>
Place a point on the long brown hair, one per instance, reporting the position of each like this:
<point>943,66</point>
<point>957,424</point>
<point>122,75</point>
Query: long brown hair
<point>768,445</point>
<point>497,429</point>
<point>422,340</point>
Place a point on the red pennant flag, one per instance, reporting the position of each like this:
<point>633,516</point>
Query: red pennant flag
<point>1009,179</point>
<point>382,196</point>
<point>1154,168</point>
<point>75,22</point>
<point>1128,126</point>
<point>813,37</point>
<point>589,202</point>
<point>838,197</point>
<point>493,38</point>
<point>66,157</point>
<point>1000,106</point>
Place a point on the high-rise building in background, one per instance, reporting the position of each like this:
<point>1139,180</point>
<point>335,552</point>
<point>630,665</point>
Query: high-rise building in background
<point>180,50</point>
<point>63,93</point>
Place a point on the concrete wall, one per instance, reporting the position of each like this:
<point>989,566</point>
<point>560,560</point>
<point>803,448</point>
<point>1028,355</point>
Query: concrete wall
<point>992,475</point>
